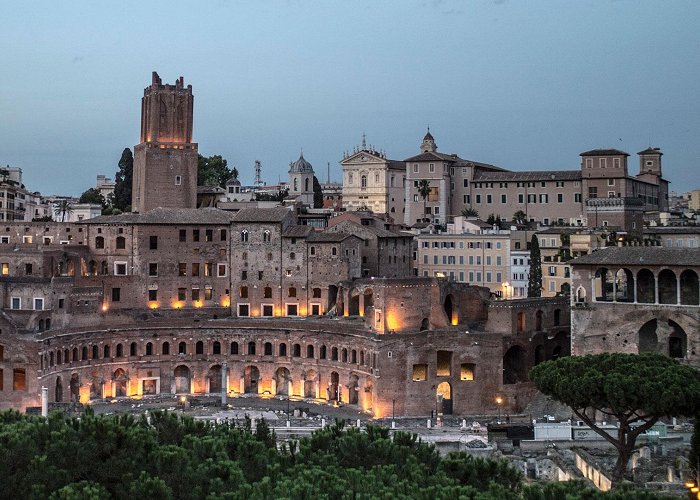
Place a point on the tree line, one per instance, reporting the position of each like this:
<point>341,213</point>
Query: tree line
<point>163,456</point>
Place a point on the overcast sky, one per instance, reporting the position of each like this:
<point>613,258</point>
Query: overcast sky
<point>526,85</point>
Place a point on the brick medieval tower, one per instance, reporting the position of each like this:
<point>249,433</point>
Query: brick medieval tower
<point>165,162</point>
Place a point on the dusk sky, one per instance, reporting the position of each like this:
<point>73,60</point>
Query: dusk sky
<point>522,85</point>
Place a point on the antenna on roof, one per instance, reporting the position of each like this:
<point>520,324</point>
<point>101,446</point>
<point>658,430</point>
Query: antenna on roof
<point>258,177</point>
<point>328,177</point>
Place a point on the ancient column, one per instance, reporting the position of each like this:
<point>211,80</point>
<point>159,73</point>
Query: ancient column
<point>224,383</point>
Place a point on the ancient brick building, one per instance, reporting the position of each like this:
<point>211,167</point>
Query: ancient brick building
<point>178,300</point>
<point>637,299</point>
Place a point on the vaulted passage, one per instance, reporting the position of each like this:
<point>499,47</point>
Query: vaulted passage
<point>689,288</point>
<point>251,379</point>
<point>214,379</point>
<point>514,366</point>
<point>444,398</point>
<point>182,379</point>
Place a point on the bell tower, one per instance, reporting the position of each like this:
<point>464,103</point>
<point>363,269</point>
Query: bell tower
<point>165,162</point>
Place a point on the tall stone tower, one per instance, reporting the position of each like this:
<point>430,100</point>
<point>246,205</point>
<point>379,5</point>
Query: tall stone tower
<point>165,162</point>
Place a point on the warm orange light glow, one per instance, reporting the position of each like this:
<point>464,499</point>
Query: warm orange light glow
<point>392,321</point>
<point>499,400</point>
<point>198,303</point>
<point>689,484</point>
<point>454,321</point>
<point>176,304</point>
<point>105,307</point>
<point>226,302</point>
<point>153,305</point>
<point>85,394</point>
<point>303,311</point>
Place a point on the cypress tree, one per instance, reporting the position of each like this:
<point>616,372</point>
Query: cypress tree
<point>534,278</point>
<point>123,181</point>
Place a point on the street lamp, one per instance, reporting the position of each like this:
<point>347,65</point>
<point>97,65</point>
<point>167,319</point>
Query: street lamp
<point>499,402</point>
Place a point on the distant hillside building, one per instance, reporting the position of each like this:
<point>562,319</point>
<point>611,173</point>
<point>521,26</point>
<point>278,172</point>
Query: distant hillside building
<point>373,182</point>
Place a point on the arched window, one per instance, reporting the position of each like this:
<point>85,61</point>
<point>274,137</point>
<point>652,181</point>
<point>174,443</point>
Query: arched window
<point>353,357</point>
<point>251,348</point>
<point>244,236</point>
<point>557,317</point>
<point>106,352</point>
<point>84,354</point>
<point>103,267</point>
<point>306,184</point>
<point>133,349</point>
<point>538,321</point>
<point>199,347</point>
<point>243,292</point>
<point>521,322</point>
<point>292,256</point>
<point>120,351</point>
<point>268,349</point>
<point>165,349</point>
<point>182,348</point>
<point>59,358</point>
<point>216,347</point>
<point>322,352</point>
<point>334,251</point>
<point>149,349</point>
<point>99,242</point>
<point>296,350</point>
<point>296,185</point>
<point>309,351</point>
<point>75,354</point>
<point>95,352</point>
<point>121,243</point>
<point>362,357</point>
<point>283,349</point>
<point>334,354</point>
<point>266,236</point>
<point>363,181</point>
<point>92,268</point>
<point>234,347</point>
<point>344,355</point>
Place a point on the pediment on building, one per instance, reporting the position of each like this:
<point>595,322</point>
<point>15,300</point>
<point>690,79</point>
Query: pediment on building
<point>362,157</point>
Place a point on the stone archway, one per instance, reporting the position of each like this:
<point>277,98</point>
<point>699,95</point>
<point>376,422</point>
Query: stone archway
<point>251,379</point>
<point>214,378</point>
<point>282,381</point>
<point>120,381</point>
<point>334,387</point>
<point>648,339</point>
<point>58,394</point>
<point>450,310</point>
<point>369,394</point>
<point>444,398</point>
<point>182,379</point>
<point>353,389</point>
<point>311,384</point>
<point>514,366</point>
<point>75,387</point>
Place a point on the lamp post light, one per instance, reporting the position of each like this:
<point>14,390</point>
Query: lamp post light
<point>499,402</point>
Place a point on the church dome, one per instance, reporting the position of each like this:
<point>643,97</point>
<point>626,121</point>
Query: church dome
<point>301,166</point>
